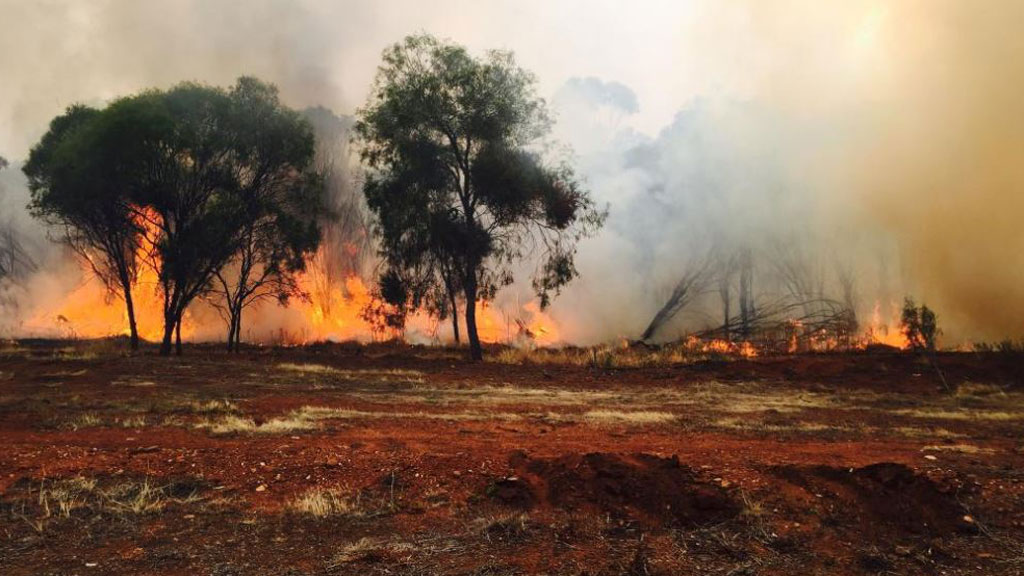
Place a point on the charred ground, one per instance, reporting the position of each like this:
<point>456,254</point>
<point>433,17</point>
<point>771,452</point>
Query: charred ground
<point>340,459</point>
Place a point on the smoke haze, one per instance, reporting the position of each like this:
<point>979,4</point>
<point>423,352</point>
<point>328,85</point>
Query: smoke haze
<point>879,138</point>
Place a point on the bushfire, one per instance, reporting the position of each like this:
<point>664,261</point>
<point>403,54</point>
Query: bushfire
<point>326,312</point>
<point>321,313</point>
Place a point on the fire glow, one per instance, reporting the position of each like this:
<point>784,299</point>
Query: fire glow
<point>326,313</point>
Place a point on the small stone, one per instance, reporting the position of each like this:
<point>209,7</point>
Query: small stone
<point>261,488</point>
<point>930,457</point>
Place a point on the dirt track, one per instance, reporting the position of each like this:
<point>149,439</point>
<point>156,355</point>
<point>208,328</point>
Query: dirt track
<point>386,460</point>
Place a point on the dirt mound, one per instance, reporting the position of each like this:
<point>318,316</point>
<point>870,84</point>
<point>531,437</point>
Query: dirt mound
<point>637,487</point>
<point>884,494</point>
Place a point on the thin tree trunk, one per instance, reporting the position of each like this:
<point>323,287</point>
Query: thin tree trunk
<point>724,292</point>
<point>231,330</point>
<point>177,334</point>
<point>133,328</point>
<point>746,293</point>
<point>238,329</point>
<point>476,352</point>
<point>165,344</point>
<point>455,317</point>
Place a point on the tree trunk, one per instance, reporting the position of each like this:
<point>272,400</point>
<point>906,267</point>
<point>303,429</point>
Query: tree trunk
<point>165,344</point>
<point>133,328</point>
<point>455,317</point>
<point>238,329</point>
<point>231,330</point>
<point>476,353</point>
<point>177,334</point>
<point>724,293</point>
<point>746,293</point>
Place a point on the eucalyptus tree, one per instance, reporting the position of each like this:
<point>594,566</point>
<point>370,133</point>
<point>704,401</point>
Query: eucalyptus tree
<point>458,180</point>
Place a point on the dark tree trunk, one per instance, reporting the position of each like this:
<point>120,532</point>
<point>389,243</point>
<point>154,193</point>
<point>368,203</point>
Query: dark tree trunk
<point>133,338</point>
<point>724,292</point>
<point>238,329</point>
<point>476,352</point>
<point>455,317</point>
<point>169,323</point>
<point>177,334</point>
<point>231,331</point>
<point>746,293</point>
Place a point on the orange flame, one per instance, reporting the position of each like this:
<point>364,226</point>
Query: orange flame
<point>887,333</point>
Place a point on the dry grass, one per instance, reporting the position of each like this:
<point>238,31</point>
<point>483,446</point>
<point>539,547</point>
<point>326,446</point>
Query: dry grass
<point>958,448</point>
<point>62,498</point>
<point>323,503</point>
<point>975,389</point>
<point>325,413</point>
<point>212,407</point>
<point>86,420</point>
<point>913,432</point>
<point>383,375</point>
<point>232,424</point>
<point>508,527</point>
<point>307,368</point>
<point>364,548</point>
<point>623,417</point>
<point>960,414</point>
<point>756,425</point>
<point>133,422</point>
<point>136,498</point>
<point>615,355</point>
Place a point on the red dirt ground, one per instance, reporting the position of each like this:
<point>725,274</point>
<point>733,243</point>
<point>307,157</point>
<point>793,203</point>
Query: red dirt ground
<point>819,464</point>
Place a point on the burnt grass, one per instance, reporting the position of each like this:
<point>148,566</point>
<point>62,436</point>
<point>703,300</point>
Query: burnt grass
<point>390,459</point>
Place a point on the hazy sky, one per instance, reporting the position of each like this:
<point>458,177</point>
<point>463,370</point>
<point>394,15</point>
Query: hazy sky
<point>55,52</point>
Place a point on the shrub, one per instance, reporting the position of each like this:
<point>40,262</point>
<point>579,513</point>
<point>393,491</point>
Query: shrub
<point>920,325</point>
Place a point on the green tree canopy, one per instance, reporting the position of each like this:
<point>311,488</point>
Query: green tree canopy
<point>77,186</point>
<point>457,179</point>
<point>196,166</point>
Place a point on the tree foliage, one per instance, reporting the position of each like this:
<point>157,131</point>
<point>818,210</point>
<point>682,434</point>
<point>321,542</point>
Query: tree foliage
<point>210,175</point>
<point>919,325</point>
<point>76,178</point>
<point>457,180</point>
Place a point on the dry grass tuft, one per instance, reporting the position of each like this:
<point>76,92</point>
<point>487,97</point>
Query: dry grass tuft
<point>511,527</point>
<point>975,389</point>
<point>756,425</point>
<point>382,374</point>
<point>136,498</point>
<point>61,498</point>
<point>358,550</point>
<point>961,414</point>
<point>622,417</point>
<point>132,422</point>
<point>322,503</point>
<point>958,448</point>
<point>213,407</point>
<point>231,424</point>
<point>86,420</point>
<point>307,368</point>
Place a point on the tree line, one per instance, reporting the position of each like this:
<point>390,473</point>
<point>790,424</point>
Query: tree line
<point>217,191</point>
